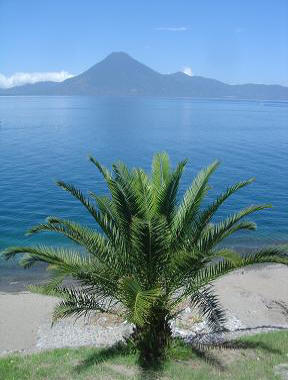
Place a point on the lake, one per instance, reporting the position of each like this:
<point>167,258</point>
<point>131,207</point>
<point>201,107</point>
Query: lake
<point>47,138</point>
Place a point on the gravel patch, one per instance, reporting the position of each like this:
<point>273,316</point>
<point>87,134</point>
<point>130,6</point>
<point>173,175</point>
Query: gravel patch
<point>106,330</point>
<point>73,334</point>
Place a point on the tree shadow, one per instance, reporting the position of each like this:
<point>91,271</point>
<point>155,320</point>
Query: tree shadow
<point>246,345</point>
<point>209,358</point>
<point>205,342</point>
<point>283,306</point>
<point>116,351</point>
<point>102,355</point>
<point>202,349</point>
<point>261,327</point>
<point>150,374</point>
<point>205,350</point>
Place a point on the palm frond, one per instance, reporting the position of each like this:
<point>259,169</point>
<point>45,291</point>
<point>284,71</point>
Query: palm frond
<point>206,215</point>
<point>50,288</point>
<point>184,265</point>
<point>160,170</point>
<point>138,301</point>
<point>150,243</point>
<point>94,242</point>
<point>215,233</point>
<point>190,205</point>
<point>104,171</point>
<point>167,193</point>
<point>124,199</point>
<point>77,303</point>
<point>209,307</point>
<point>66,259</point>
<point>101,220</point>
<point>232,261</point>
<point>144,194</point>
<point>105,205</point>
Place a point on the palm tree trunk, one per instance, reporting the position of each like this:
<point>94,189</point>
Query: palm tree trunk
<point>152,339</point>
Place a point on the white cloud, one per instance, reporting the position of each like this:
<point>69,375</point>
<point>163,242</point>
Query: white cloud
<point>188,71</point>
<point>18,79</point>
<point>173,29</point>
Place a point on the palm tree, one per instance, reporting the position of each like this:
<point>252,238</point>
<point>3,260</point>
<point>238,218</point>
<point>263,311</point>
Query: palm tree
<point>153,251</point>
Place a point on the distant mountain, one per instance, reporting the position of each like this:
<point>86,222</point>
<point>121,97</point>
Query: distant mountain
<point>121,75</point>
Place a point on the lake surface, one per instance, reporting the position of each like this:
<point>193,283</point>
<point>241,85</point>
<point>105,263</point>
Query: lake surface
<point>47,138</point>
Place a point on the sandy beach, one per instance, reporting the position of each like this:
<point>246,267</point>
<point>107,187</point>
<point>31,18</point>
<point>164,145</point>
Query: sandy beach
<point>21,315</point>
<point>254,297</point>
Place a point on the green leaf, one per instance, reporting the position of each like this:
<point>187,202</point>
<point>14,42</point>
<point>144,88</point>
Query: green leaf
<point>205,216</point>
<point>188,209</point>
<point>160,170</point>
<point>215,233</point>
<point>209,306</point>
<point>139,302</point>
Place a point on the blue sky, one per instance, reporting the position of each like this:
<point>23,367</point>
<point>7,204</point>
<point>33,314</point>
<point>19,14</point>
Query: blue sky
<point>236,41</point>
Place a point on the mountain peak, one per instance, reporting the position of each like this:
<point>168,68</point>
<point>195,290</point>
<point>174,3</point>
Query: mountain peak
<point>179,74</point>
<point>119,74</point>
<point>117,55</point>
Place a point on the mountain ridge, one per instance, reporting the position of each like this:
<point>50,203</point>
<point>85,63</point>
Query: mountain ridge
<point>119,74</point>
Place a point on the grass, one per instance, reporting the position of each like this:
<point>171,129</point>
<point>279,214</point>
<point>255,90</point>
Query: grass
<point>260,357</point>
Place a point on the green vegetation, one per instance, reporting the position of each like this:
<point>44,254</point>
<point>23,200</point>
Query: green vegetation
<point>264,357</point>
<point>154,252</point>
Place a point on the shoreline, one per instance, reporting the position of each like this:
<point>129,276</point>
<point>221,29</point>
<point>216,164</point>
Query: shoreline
<point>253,298</point>
<point>15,279</point>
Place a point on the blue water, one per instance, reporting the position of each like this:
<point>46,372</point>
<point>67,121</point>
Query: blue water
<point>47,138</point>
